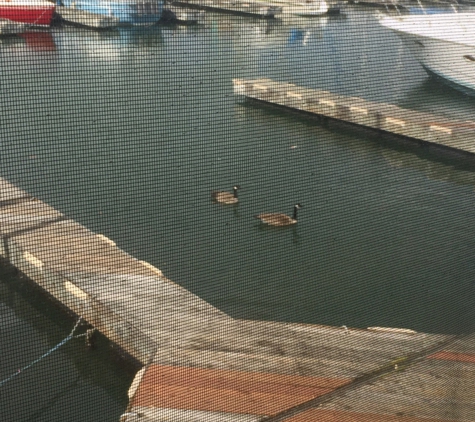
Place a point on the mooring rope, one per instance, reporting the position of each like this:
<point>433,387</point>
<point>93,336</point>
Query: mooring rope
<point>62,343</point>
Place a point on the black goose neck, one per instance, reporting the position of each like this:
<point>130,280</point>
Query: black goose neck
<point>295,212</point>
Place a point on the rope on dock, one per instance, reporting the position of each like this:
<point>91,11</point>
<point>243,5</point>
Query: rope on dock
<point>62,343</point>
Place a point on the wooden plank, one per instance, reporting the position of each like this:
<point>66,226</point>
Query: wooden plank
<point>227,391</point>
<point>454,356</point>
<point>428,388</point>
<point>463,345</point>
<point>348,338</point>
<point>229,360</point>
<point>410,405</point>
<point>326,415</point>
<point>421,390</point>
<point>213,400</point>
<point>9,192</point>
<point>25,215</point>
<point>255,381</point>
<point>444,369</point>
<point>222,391</point>
<point>152,414</point>
<point>68,246</point>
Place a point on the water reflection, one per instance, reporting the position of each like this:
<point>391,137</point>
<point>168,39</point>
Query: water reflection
<point>280,33</point>
<point>108,46</point>
<point>26,51</point>
<point>27,43</point>
<point>70,384</point>
<point>435,170</point>
<point>432,96</point>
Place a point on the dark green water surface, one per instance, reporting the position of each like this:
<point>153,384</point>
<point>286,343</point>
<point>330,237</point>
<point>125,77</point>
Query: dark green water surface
<point>128,132</point>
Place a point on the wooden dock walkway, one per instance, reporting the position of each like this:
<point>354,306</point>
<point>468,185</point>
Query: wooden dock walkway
<point>202,365</point>
<point>439,130</point>
<point>438,387</point>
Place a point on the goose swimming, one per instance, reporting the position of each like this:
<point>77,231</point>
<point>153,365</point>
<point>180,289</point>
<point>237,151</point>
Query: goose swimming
<point>226,198</point>
<point>278,219</point>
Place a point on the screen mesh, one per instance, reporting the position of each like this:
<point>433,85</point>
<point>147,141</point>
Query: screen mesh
<point>237,211</point>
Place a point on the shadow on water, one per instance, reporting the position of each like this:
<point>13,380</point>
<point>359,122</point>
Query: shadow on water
<point>74,383</point>
<point>433,96</point>
<point>437,162</point>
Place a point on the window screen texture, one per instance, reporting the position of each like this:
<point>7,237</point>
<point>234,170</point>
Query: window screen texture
<point>237,211</point>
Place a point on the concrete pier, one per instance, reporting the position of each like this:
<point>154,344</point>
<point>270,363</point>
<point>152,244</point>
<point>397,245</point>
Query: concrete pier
<point>439,130</point>
<point>202,365</point>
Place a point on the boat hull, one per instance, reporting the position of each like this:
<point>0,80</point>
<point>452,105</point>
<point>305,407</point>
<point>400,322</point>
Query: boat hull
<point>145,12</point>
<point>451,57</point>
<point>36,14</point>
<point>313,8</point>
<point>448,62</point>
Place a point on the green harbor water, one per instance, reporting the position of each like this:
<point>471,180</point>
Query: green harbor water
<point>128,131</point>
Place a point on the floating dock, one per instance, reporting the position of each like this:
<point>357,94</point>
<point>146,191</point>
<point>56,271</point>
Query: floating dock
<point>439,130</point>
<point>199,364</point>
<point>244,8</point>
<point>85,19</point>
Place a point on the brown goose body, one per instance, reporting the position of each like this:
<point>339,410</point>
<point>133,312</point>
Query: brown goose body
<point>278,219</point>
<point>226,198</point>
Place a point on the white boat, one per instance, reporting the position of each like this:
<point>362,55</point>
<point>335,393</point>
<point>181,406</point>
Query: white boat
<point>129,12</point>
<point>306,8</point>
<point>443,43</point>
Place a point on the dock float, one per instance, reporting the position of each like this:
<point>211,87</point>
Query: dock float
<point>426,127</point>
<point>85,19</point>
<point>236,7</point>
<point>199,364</point>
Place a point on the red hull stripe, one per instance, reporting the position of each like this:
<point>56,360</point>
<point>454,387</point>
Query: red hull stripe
<point>34,15</point>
